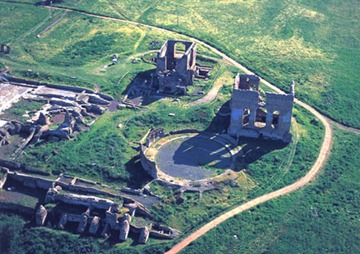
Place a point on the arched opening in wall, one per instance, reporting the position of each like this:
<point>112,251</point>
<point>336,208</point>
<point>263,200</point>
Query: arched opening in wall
<point>5,49</point>
<point>260,120</point>
<point>179,49</point>
<point>192,60</point>
<point>245,117</point>
<point>275,120</point>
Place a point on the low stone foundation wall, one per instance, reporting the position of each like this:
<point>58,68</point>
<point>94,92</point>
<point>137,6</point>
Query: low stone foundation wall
<point>148,165</point>
<point>19,209</point>
<point>58,86</point>
<point>31,181</point>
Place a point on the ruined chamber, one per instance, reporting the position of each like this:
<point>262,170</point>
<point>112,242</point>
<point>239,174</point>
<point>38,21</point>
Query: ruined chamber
<point>257,117</point>
<point>175,69</point>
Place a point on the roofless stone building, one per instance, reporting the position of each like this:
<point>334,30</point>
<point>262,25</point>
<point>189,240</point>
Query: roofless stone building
<point>175,69</point>
<point>257,117</point>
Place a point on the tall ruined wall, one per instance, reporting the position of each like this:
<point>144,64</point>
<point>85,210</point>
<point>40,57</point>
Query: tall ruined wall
<point>74,199</point>
<point>32,181</point>
<point>3,173</point>
<point>282,104</point>
<point>182,67</point>
<point>242,100</point>
<point>146,159</point>
<point>248,111</point>
<point>35,181</point>
<point>246,82</point>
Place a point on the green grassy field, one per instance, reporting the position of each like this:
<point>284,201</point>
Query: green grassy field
<point>314,43</point>
<point>77,49</point>
<point>309,42</point>
<point>322,218</point>
<point>268,166</point>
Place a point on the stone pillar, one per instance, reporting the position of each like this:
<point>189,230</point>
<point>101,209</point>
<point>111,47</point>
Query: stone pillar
<point>285,121</point>
<point>252,117</point>
<point>269,118</point>
<point>238,117</point>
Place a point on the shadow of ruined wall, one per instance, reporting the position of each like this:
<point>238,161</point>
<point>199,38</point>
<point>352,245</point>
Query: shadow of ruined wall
<point>148,163</point>
<point>18,209</point>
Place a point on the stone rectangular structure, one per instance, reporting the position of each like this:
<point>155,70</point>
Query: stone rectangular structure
<point>175,70</point>
<point>255,117</point>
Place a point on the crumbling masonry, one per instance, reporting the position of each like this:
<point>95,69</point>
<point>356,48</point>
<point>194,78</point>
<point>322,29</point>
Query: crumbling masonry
<point>175,70</point>
<point>255,117</point>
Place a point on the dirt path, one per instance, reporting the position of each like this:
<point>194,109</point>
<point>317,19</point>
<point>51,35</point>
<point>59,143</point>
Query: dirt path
<point>209,96</point>
<point>213,92</point>
<point>320,161</point>
<point>343,127</point>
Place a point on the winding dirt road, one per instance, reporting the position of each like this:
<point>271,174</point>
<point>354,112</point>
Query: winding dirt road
<point>320,161</point>
<point>323,155</point>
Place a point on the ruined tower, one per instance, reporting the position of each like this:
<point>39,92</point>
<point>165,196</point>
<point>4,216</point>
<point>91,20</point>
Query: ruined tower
<point>175,70</point>
<point>257,117</point>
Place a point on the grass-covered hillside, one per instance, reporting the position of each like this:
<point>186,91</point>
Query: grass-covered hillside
<point>315,43</point>
<point>322,218</point>
<point>75,49</point>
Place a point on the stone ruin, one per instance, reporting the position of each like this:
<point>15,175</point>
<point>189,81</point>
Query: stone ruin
<point>110,221</point>
<point>67,110</point>
<point>175,70</point>
<point>257,117</point>
<point>154,135</point>
<point>91,214</point>
<point>7,130</point>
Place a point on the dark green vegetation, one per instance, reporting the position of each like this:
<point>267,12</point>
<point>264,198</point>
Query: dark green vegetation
<point>18,109</point>
<point>322,218</point>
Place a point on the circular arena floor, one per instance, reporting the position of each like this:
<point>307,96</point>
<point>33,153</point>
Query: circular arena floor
<point>193,158</point>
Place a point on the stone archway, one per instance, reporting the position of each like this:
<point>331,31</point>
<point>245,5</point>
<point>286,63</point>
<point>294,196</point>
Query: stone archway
<point>5,48</point>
